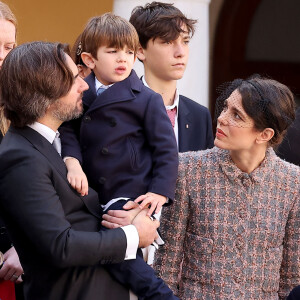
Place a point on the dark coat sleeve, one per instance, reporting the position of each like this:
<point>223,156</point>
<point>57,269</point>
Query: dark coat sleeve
<point>32,208</point>
<point>161,139</point>
<point>69,136</point>
<point>70,130</point>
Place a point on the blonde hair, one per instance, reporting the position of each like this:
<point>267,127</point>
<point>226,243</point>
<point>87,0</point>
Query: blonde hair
<point>4,123</point>
<point>6,14</point>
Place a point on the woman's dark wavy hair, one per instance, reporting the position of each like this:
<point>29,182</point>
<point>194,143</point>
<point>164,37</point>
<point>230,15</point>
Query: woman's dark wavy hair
<point>268,102</point>
<point>33,76</point>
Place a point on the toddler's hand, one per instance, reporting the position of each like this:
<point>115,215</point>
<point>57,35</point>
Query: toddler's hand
<point>155,201</point>
<point>76,176</point>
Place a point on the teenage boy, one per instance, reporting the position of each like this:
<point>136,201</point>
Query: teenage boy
<point>124,141</point>
<point>164,34</point>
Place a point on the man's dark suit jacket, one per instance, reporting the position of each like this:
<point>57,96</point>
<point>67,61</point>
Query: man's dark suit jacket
<point>5,242</point>
<point>125,141</point>
<point>289,149</point>
<point>54,230</point>
<point>194,126</point>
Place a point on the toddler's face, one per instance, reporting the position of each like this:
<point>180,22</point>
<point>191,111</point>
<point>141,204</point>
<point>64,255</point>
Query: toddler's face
<point>112,64</point>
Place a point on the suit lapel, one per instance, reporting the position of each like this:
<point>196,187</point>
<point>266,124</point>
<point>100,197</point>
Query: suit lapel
<point>49,152</point>
<point>45,148</point>
<point>184,125</point>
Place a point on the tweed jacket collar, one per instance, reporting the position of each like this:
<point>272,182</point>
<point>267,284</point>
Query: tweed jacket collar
<point>234,174</point>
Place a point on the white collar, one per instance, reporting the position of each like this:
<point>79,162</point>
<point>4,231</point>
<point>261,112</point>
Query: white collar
<point>176,99</point>
<point>98,85</point>
<point>44,130</point>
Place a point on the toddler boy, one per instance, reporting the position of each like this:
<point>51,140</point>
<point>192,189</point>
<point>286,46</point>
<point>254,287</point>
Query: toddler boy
<point>124,141</point>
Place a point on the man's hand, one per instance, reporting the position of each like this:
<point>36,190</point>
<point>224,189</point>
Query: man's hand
<point>118,218</point>
<point>76,176</point>
<point>11,269</point>
<point>134,215</point>
<point>146,228</point>
<point>156,201</point>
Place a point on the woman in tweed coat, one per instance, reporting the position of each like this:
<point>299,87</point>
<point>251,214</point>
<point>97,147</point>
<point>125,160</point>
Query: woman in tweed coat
<point>235,221</point>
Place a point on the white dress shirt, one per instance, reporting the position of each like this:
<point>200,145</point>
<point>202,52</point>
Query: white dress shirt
<point>98,85</point>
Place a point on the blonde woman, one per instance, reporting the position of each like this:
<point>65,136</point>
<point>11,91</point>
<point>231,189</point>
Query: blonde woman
<point>8,30</point>
<point>11,268</point>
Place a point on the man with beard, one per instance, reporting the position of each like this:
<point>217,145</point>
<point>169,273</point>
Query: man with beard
<point>55,230</point>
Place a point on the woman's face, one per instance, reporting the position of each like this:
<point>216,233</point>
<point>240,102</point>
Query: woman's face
<point>235,129</point>
<point>7,38</point>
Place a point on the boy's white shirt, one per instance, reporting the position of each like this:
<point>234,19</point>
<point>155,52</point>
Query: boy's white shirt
<point>98,85</point>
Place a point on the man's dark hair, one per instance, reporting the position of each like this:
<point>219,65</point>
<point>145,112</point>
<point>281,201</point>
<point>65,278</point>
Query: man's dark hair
<point>33,76</point>
<point>159,20</point>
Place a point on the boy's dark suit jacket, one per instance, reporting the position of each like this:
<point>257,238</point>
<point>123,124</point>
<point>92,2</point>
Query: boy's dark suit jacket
<point>194,126</point>
<point>54,230</point>
<point>125,141</point>
<point>289,149</point>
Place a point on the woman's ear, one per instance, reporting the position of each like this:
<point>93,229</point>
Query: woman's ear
<point>88,60</point>
<point>265,136</point>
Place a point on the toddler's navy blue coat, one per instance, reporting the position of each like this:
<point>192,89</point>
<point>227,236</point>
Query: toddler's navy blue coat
<point>124,140</point>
